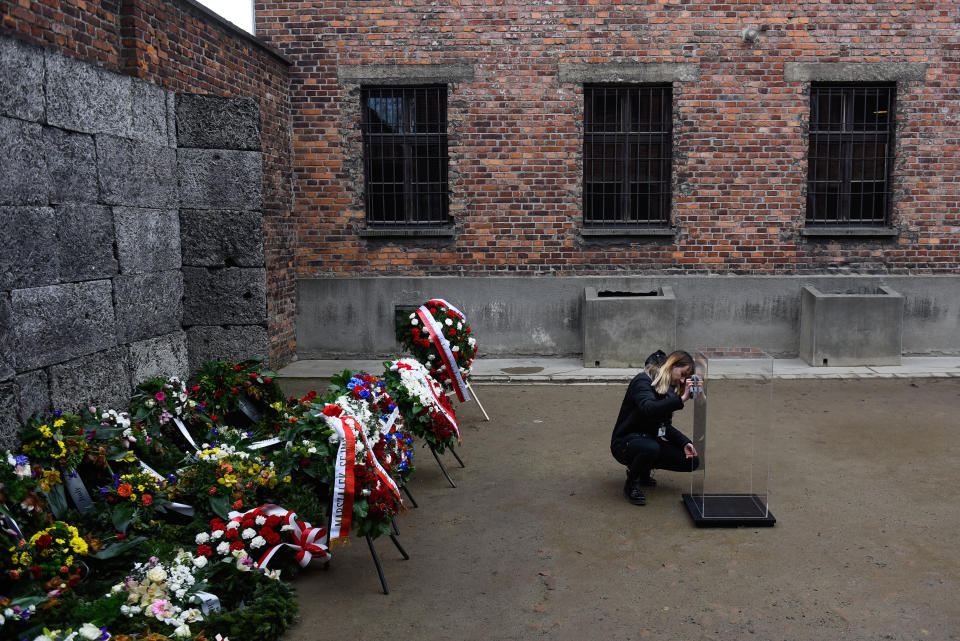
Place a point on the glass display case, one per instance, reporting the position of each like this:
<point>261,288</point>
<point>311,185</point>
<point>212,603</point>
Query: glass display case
<point>730,488</point>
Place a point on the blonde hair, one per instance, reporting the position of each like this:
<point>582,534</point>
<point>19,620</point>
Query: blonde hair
<point>661,375</point>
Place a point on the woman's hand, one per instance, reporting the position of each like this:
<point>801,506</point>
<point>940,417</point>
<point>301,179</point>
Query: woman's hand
<point>689,450</point>
<point>685,396</point>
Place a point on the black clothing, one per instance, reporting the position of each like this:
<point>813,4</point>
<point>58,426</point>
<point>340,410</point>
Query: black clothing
<point>636,442</point>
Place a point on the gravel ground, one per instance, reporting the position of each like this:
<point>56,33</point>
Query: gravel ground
<point>537,542</point>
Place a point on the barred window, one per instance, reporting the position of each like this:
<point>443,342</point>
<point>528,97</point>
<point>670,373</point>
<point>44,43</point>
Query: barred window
<point>405,155</point>
<point>851,153</point>
<point>627,155</point>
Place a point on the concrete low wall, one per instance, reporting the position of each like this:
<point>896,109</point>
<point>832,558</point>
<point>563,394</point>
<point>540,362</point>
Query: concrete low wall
<point>351,317</point>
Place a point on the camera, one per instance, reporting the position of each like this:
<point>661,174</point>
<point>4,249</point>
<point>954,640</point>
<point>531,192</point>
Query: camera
<point>695,384</point>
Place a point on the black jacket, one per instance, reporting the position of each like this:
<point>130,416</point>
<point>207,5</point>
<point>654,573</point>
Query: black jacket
<point>643,411</point>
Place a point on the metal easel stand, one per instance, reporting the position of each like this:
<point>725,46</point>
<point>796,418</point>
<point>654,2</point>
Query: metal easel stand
<point>440,463</point>
<point>410,496</point>
<point>454,452</point>
<point>376,559</point>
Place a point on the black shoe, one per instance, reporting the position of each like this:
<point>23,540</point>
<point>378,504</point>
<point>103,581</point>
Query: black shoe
<point>633,493</point>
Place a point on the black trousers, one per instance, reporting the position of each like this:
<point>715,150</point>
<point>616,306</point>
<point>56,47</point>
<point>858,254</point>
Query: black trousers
<point>641,454</point>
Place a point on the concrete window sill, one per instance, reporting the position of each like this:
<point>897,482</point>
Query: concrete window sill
<point>850,231</point>
<point>626,231</point>
<point>408,232</point>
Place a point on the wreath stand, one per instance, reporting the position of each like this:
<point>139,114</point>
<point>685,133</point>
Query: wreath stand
<point>373,550</point>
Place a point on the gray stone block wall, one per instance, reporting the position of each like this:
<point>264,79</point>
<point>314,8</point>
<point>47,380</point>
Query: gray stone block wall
<point>92,288</point>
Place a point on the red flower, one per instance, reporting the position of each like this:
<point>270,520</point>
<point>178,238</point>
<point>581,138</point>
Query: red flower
<point>236,545</point>
<point>232,534</point>
<point>450,313</point>
<point>254,375</point>
<point>237,504</point>
<point>218,393</point>
<point>74,581</point>
<point>234,390</point>
<point>44,541</point>
<point>212,491</point>
<point>332,410</point>
<point>272,537</point>
<point>273,521</point>
<point>14,574</point>
<point>124,490</point>
<point>195,389</point>
<point>237,368</point>
<point>64,569</point>
<point>214,418</point>
<point>147,499</point>
<point>204,550</point>
<point>452,332</point>
<point>248,523</point>
<point>217,524</point>
<point>36,571</point>
<point>433,310</point>
<point>121,536</point>
<point>267,379</point>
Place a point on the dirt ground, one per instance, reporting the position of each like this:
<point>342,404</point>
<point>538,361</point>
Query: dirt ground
<point>537,542</point>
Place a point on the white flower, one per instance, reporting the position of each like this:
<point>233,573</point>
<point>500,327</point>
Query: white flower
<point>157,574</point>
<point>202,538</point>
<point>365,492</point>
<point>454,349</point>
<point>472,341</point>
<point>258,542</point>
<point>223,548</point>
<point>260,520</point>
<point>448,322</point>
<point>232,525</point>
<point>248,533</point>
<point>414,321</point>
<point>182,632</point>
<point>182,591</point>
<point>42,637</point>
<point>216,534</point>
<point>459,326</point>
<point>200,561</point>
<point>125,609</point>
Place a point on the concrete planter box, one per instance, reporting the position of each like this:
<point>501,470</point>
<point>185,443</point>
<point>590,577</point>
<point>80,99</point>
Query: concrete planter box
<point>851,328</point>
<point>622,328</point>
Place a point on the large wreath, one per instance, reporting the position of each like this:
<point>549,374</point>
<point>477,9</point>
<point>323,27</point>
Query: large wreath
<point>439,336</point>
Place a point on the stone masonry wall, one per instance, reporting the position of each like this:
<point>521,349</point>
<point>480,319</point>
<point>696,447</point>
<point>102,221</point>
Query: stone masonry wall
<point>134,232</point>
<point>183,47</point>
<point>515,73</point>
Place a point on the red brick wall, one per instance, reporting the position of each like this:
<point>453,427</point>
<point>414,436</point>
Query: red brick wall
<point>180,47</point>
<point>515,132</point>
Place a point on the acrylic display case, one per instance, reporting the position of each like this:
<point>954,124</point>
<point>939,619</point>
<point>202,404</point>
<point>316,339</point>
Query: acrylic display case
<point>730,488</point>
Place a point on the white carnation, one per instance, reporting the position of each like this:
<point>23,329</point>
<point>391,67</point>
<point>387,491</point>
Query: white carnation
<point>200,561</point>
<point>258,542</point>
<point>223,548</point>
<point>202,538</point>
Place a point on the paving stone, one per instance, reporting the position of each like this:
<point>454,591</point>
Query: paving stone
<point>148,240</point>
<point>28,247</point>
<point>85,237</point>
<point>221,238</point>
<point>24,179</point>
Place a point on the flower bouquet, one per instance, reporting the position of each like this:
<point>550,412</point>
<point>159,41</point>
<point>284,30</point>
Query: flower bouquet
<point>161,593</point>
<point>365,397</point>
<point>51,555</point>
<point>55,445</point>
<point>438,336</point>
<point>426,410</point>
<point>240,394</point>
<point>224,477</point>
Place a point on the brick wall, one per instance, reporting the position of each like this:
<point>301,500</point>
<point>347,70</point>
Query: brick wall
<point>183,47</point>
<point>516,133</point>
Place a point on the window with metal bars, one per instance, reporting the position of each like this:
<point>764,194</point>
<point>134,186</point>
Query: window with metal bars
<point>851,154</point>
<point>405,155</point>
<point>627,155</point>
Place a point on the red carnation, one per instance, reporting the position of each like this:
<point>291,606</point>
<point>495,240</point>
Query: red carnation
<point>452,332</point>
<point>217,524</point>
<point>214,418</point>
<point>272,537</point>
<point>234,390</point>
<point>254,375</point>
<point>204,550</point>
<point>450,313</point>
<point>267,379</point>
<point>332,410</point>
<point>147,499</point>
<point>248,523</point>
<point>232,534</point>
<point>44,541</point>
<point>273,521</point>
<point>236,545</point>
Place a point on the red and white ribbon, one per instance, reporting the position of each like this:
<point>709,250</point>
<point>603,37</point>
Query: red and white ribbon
<point>305,536</point>
<point>443,346</point>
<point>444,303</point>
<point>378,469</point>
<point>342,509</point>
<point>428,382</point>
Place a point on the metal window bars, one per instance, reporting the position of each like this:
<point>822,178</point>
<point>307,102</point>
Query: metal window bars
<point>404,133</point>
<point>850,153</point>
<point>627,154</point>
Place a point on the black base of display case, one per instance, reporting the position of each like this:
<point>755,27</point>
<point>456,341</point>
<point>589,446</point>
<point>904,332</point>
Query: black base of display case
<point>728,510</point>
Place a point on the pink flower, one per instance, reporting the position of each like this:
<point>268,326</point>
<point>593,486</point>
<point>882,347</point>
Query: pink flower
<point>160,396</point>
<point>160,609</point>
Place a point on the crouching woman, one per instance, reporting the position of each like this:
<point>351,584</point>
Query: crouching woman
<point>644,437</point>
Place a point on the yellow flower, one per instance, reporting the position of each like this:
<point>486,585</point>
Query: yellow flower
<point>140,488</point>
<point>25,559</point>
<point>45,431</point>
<point>59,422</point>
<point>59,541</point>
<point>79,545</point>
<point>69,561</point>
<point>286,479</point>
<point>277,406</point>
<point>133,497</point>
